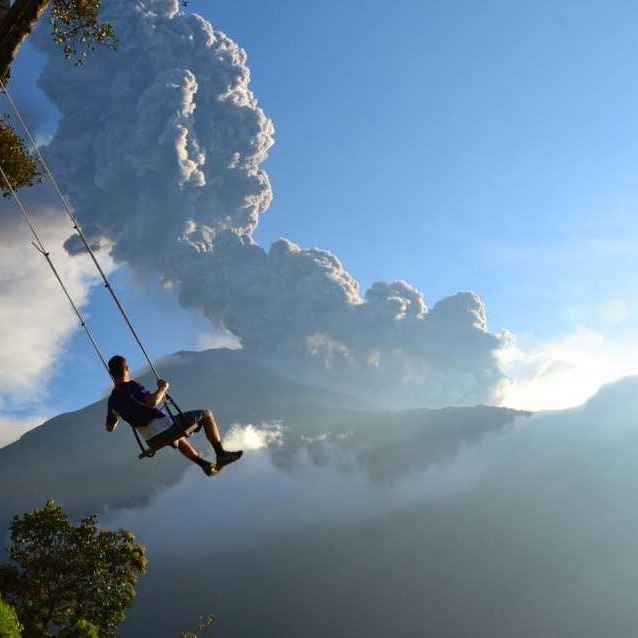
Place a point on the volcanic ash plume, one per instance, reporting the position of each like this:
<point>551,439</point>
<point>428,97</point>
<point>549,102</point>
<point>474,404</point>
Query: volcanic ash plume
<point>160,147</point>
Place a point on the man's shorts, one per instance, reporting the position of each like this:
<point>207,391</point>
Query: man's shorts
<point>160,432</point>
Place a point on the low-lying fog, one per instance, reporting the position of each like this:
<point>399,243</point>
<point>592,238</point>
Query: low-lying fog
<point>527,531</point>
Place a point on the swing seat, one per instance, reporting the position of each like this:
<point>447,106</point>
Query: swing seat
<point>164,440</point>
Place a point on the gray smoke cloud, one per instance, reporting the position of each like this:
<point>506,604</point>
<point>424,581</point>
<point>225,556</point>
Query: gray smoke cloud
<point>160,147</point>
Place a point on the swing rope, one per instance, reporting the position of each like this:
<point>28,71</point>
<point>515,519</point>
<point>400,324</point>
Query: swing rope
<point>78,228</point>
<point>39,246</point>
<point>168,400</point>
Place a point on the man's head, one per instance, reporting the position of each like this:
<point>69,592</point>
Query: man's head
<point>118,367</point>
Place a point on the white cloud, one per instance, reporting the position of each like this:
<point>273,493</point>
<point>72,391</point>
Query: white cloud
<point>35,318</point>
<point>219,339</point>
<point>566,372</point>
<point>12,429</point>
<point>251,437</point>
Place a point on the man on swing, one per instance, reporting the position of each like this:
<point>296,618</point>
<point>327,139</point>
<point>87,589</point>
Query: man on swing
<point>130,401</point>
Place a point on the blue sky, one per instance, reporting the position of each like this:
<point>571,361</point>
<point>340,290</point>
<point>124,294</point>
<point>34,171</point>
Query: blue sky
<point>459,146</point>
<point>486,147</point>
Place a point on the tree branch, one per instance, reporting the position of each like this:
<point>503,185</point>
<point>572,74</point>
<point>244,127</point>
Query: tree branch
<point>18,23</point>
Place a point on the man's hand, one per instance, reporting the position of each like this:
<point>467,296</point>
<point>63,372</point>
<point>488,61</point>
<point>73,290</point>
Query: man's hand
<point>155,398</point>
<point>162,389</point>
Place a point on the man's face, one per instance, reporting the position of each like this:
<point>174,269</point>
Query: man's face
<point>125,376</point>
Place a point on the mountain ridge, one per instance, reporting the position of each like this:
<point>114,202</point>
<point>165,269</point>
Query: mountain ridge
<point>72,459</point>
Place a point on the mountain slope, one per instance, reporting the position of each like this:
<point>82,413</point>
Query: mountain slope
<point>72,459</point>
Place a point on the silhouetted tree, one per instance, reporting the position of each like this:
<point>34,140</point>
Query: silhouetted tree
<point>72,581</point>
<point>75,24</point>
<point>76,27</point>
<point>81,629</point>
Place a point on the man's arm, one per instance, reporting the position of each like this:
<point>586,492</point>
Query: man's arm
<point>110,425</point>
<point>154,398</point>
<point>111,417</point>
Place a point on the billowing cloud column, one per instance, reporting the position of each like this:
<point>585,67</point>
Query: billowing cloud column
<point>160,147</point>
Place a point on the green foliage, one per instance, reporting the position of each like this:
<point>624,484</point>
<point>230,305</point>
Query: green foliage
<point>202,628</point>
<point>65,577</point>
<point>81,629</point>
<point>18,164</point>
<point>10,627</point>
<point>77,29</point>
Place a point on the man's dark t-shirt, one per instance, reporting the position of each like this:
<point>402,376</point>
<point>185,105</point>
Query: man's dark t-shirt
<point>127,402</point>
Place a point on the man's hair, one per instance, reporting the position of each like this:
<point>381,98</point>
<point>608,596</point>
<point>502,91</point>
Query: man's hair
<point>117,366</point>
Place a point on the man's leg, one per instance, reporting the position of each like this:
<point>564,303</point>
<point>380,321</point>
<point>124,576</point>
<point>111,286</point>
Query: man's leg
<point>212,432</point>
<point>193,455</point>
<point>214,437</point>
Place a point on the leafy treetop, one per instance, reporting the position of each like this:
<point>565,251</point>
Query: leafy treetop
<point>18,164</point>
<point>63,578</point>
<point>77,29</point>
